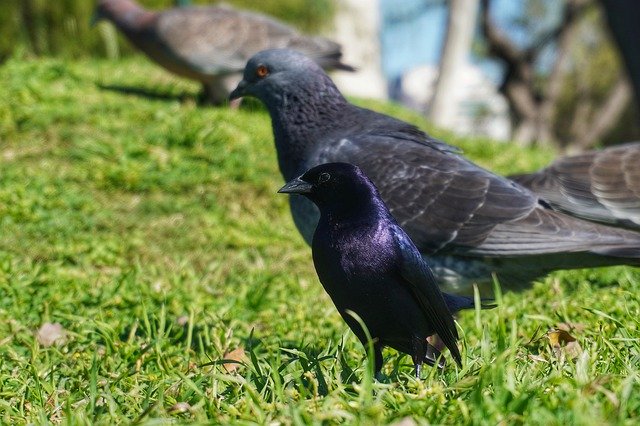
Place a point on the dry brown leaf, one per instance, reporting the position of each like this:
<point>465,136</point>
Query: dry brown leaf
<point>179,407</point>
<point>572,326</point>
<point>573,350</point>
<point>611,396</point>
<point>564,344</point>
<point>405,421</point>
<point>234,355</point>
<point>49,333</point>
<point>537,358</point>
<point>559,337</point>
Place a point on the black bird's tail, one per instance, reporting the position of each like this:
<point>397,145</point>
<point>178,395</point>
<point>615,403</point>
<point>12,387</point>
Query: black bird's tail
<point>458,303</point>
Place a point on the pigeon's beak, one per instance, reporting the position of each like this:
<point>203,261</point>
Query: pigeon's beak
<point>95,18</point>
<point>239,91</point>
<point>296,186</point>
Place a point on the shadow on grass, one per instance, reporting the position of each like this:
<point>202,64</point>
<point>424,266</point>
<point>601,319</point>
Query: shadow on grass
<point>147,93</point>
<point>247,104</point>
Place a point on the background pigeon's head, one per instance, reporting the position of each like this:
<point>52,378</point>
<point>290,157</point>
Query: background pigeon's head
<point>269,72</point>
<point>335,186</point>
<point>112,9</point>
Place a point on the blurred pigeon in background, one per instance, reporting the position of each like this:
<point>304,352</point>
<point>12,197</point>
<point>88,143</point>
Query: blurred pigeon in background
<point>370,267</point>
<point>603,186</point>
<point>469,221</point>
<point>210,43</point>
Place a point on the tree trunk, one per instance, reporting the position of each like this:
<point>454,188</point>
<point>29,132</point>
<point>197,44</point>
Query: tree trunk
<point>553,88</point>
<point>604,118</point>
<point>532,108</point>
<point>456,48</point>
<point>623,17</point>
<point>33,28</point>
<point>533,130</point>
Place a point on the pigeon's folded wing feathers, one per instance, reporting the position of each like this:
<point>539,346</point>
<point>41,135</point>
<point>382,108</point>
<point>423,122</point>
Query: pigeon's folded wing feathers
<point>448,204</point>
<point>208,39</point>
<point>603,186</point>
<point>439,196</point>
<point>616,181</point>
<point>219,40</point>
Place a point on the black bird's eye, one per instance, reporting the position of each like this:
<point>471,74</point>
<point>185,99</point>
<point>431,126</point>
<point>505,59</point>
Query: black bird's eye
<point>324,177</point>
<point>262,71</point>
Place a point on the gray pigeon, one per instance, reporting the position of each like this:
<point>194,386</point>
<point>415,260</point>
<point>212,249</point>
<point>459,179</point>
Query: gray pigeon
<point>468,221</point>
<point>603,186</point>
<point>210,43</point>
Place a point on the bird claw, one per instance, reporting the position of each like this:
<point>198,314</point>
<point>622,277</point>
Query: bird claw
<point>433,357</point>
<point>380,377</point>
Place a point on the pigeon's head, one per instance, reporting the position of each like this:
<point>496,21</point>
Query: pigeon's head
<point>335,186</point>
<point>112,10</point>
<point>101,11</point>
<point>270,72</point>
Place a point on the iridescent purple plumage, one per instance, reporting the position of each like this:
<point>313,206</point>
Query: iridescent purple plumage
<point>370,267</point>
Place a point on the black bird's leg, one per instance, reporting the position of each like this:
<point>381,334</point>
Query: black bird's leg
<point>433,357</point>
<point>378,360</point>
<point>419,352</point>
<point>434,351</point>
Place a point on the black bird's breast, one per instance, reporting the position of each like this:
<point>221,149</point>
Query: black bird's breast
<point>351,258</point>
<point>357,267</point>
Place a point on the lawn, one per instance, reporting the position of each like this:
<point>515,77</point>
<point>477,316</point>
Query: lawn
<point>142,244</point>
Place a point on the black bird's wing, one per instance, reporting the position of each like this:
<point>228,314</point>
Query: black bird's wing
<point>417,275</point>
<point>450,205</point>
<point>602,186</point>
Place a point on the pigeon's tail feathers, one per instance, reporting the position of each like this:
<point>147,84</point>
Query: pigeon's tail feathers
<point>344,67</point>
<point>333,61</point>
<point>458,303</point>
<point>533,181</point>
<point>631,254</point>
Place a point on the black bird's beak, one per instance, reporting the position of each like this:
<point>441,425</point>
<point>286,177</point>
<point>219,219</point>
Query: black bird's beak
<point>239,91</point>
<point>296,186</point>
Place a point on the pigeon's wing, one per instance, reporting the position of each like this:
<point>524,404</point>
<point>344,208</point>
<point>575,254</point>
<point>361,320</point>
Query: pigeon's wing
<point>215,40</point>
<point>220,40</point>
<point>438,197</point>
<point>566,185</point>
<point>616,181</point>
<point>603,186</point>
<point>417,275</point>
<point>448,204</point>
<point>325,52</point>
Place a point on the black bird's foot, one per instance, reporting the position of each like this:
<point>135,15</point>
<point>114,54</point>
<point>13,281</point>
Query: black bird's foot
<point>434,357</point>
<point>381,377</point>
<point>417,369</point>
<point>420,348</point>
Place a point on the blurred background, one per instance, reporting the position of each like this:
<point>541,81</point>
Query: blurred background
<point>556,73</point>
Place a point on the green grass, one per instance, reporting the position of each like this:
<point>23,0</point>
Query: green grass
<point>151,231</point>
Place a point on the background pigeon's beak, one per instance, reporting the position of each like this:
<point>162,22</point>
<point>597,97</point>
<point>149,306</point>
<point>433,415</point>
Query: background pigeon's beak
<point>239,91</point>
<point>95,18</point>
<point>296,186</point>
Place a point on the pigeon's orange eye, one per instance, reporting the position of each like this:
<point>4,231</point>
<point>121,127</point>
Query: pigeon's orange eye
<point>262,71</point>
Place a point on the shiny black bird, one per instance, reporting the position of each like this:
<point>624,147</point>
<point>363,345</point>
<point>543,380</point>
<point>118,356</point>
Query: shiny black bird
<point>371,268</point>
<point>469,222</point>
